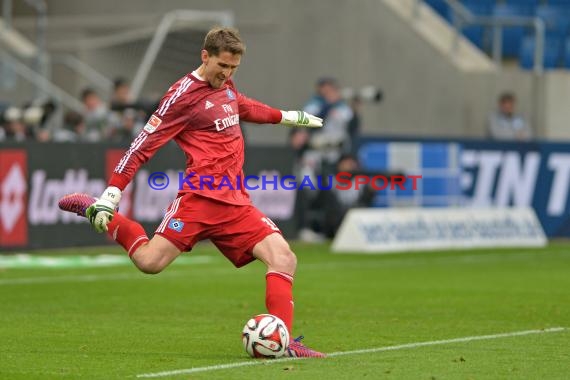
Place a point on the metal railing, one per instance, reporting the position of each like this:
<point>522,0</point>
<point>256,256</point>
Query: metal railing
<point>165,26</point>
<point>95,78</point>
<point>463,17</point>
<point>41,61</point>
<point>41,82</point>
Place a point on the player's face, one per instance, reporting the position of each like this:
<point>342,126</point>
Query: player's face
<point>219,68</point>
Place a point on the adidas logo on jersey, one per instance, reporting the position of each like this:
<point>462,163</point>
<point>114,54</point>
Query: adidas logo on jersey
<point>209,104</point>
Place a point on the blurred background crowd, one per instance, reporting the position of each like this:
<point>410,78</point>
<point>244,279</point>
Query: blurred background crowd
<point>117,120</point>
<point>394,70</point>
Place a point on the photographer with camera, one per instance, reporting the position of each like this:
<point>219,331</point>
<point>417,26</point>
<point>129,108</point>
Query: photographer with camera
<point>329,104</point>
<point>337,202</point>
<point>319,151</point>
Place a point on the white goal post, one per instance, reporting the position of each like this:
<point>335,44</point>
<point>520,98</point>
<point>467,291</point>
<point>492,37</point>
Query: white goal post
<point>167,24</point>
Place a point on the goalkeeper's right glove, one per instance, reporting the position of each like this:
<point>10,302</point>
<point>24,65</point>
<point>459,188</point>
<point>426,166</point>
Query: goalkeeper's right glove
<point>101,212</point>
<point>300,119</point>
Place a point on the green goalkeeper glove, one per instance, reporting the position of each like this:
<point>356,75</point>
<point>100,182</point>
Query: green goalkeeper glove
<point>101,212</point>
<point>300,119</point>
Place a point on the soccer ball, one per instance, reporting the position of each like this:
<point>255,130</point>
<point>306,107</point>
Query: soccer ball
<point>265,336</point>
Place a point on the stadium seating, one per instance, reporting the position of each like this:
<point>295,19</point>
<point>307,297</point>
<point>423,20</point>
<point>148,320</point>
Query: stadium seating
<point>556,19</point>
<point>532,4</point>
<point>475,33</point>
<point>513,35</point>
<point>552,48</point>
<point>518,42</point>
<point>566,58</point>
<point>479,7</point>
<point>440,6</point>
<point>565,3</point>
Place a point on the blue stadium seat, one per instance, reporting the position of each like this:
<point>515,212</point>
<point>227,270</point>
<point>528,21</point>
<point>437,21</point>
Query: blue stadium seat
<point>440,6</point>
<point>479,7</point>
<point>550,57</point>
<point>556,18</point>
<point>483,4</point>
<point>476,33</point>
<point>518,9</point>
<point>564,3</point>
<point>532,4</point>
<point>566,57</point>
<point>513,35</point>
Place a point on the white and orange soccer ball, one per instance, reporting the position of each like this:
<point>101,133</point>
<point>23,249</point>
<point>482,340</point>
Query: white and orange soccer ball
<point>265,336</point>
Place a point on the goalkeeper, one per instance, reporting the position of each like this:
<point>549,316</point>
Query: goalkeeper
<point>201,113</point>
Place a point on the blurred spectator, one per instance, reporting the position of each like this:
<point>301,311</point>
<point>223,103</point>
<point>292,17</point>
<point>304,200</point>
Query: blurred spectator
<point>17,131</point>
<point>307,163</point>
<point>121,100</point>
<point>48,119</point>
<point>127,116</point>
<point>126,125</point>
<point>42,135</point>
<point>4,107</point>
<point>14,127</point>
<point>354,124</point>
<point>33,121</point>
<point>505,124</point>
<point>337,202</point>
<point>333,138</point>
<point>317,152</point>
<point>121,97</point>
<point>40,117</point>
<point>96,115</point>
<point>74,129</point>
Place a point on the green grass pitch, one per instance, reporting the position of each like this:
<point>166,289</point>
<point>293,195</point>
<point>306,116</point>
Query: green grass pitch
<point>114,322</point>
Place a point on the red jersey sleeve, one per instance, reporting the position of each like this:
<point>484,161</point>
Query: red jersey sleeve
<point>254,111</point>
<point>164,124</point>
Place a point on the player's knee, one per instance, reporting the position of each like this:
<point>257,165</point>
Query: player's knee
<point>292,260</point>
<point>149,268</point>
<point>149,265</point>
<point>286,261</point>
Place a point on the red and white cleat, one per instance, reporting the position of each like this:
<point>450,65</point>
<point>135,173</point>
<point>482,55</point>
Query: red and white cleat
<point>297,349</point>
<point>76,203</point>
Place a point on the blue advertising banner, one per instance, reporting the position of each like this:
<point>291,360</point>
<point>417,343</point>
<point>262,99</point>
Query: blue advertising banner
<point>473,173</point>
<point>520,174</point>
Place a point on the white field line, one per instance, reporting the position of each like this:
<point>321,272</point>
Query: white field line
<point>98,277</point>
<point>391,261</point>
<point>81,278</point>
<point>355,352</point>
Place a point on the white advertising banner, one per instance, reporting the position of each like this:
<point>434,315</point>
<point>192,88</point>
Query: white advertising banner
<point>374,230</point>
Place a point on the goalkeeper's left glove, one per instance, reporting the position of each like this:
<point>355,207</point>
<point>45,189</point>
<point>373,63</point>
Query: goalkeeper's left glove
<point>101,212</point>
<point>300,119</point>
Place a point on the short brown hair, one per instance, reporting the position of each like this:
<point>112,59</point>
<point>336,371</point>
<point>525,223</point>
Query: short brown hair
<point>507,97</point>
<point>223,39</point>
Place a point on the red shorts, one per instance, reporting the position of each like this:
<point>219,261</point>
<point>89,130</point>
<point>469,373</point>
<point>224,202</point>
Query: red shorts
<point>235,230</point>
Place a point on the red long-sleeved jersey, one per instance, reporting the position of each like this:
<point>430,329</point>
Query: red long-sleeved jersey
<point>204,122</point>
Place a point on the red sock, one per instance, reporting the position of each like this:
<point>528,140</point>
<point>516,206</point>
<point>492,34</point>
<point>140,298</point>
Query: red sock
<point>128,233</point>
<point>279,296</point>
